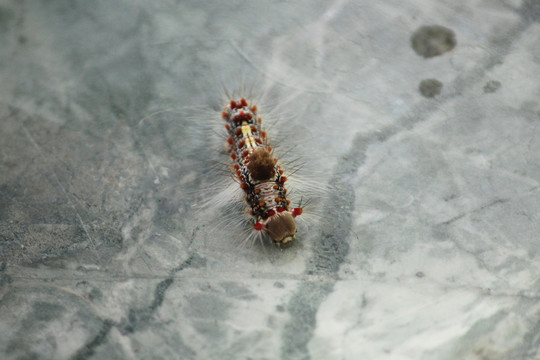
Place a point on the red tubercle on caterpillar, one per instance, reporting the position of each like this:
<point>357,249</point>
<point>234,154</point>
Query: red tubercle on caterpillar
<point>233,156</point>
<point>230,140</point>
<point>241,143</point>
<point>228,127</point>
<point>263,134</point>
<point>282,179</point>
<point>238,131</point>
<point>244,154</point>
<point>236,167</point>
<point>297,211</point>
<point>280,209</point>
<point>242,117</point>
<point>225,115</point>
<point>254,108</point>
<point>280,172</point>
<point>270,213</point>
<point>238,105</point>
<point>244,186</point>
<point>258,226</point>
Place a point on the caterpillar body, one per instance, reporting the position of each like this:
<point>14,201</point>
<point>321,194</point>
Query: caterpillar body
<point>258,172</point>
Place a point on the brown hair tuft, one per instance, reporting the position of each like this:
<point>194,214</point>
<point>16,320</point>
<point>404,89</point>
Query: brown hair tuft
<point>261,165</point>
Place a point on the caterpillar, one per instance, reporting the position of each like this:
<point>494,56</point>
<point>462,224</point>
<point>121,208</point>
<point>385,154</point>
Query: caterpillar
<point>258,172</point>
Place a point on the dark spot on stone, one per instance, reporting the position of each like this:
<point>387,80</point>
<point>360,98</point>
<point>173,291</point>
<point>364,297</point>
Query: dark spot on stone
<point>420,274</point>
<point>433,40</point>
<point>430,87</point>
<point>530,10</point>
<point>492,86</point>
<point>279,285</point>
<point>95,294</point>
<point>237,291</point>
<point>22,39</point>
<point>280,308</point>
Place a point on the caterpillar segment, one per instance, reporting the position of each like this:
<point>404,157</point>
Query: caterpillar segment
<point>259,175</point>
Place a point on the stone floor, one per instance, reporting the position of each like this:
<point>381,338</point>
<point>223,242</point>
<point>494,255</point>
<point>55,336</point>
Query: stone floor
<point>416,125</point>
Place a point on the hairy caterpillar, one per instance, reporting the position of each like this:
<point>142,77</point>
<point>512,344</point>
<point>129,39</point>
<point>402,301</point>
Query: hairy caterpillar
<point>203,190</point>
<point>260,176</point>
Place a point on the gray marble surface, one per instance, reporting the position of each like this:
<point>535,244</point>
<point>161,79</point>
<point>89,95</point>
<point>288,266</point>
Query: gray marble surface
<point>418,119</point>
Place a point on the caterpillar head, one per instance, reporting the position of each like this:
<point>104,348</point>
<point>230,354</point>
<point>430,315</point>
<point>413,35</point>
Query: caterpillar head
<point>281,226</point>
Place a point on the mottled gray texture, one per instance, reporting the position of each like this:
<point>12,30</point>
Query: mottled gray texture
<point>421,241</point>
<point>492,86</point>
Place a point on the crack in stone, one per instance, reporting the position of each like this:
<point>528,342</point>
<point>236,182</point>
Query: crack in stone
<point>89,349</point>
<point>139,318</point>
